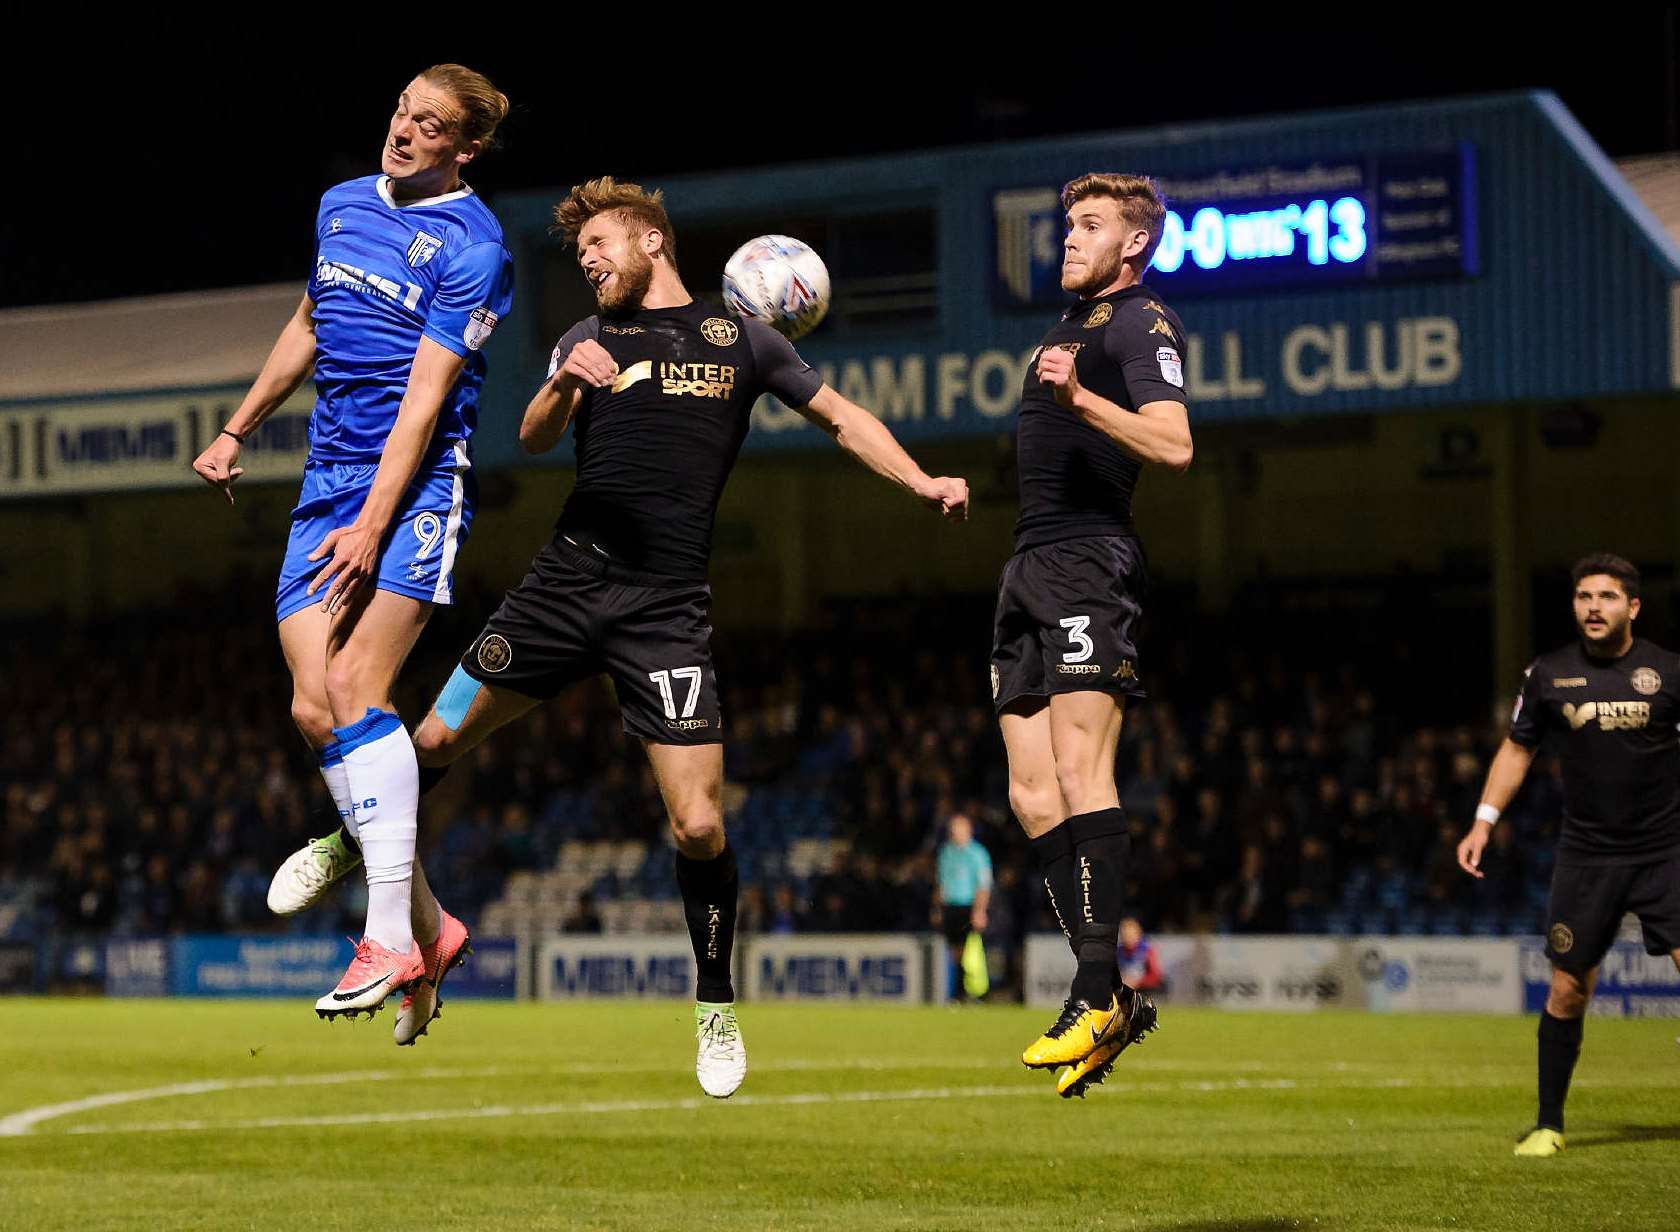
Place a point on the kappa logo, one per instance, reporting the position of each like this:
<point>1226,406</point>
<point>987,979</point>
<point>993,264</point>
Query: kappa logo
<point>423,248</point>
<point>1126,671</point>
<point>719,331</point>
<point>996,682</point>
<point>479,327</point>
<point>1561,939</point>
<point>1161,327</point>
<point>494,653</point>
<point>1645,680</point>
<point>684,725</point>
<point>1101,315</point>
<point>607,327</point>
<point>1154,307</point>
<point>1569,682</point>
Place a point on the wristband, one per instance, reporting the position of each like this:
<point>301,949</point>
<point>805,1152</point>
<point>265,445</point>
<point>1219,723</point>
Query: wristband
<point>233,434</point>
<point>1487,813</point>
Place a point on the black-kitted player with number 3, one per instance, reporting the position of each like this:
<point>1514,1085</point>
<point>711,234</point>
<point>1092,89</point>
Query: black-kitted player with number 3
<point>1103,397</point>
<point>1608,707</point>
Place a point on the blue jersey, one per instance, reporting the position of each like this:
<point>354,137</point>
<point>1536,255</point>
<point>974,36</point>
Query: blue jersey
<point>384,276</point>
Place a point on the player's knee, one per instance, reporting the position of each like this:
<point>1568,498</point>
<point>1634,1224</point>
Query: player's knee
<point>1568,997</point>
<point>1078,783</point>
<point>313,719</point>
<point>1037,805</point>
<point>698,831</point>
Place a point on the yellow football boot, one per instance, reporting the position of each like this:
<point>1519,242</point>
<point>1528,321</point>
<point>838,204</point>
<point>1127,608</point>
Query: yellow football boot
<point>1077,1031</point>
<point>1081,1076</point>
<point>1540,1142</point>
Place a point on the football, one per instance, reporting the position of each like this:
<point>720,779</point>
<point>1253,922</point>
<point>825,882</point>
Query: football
<point>778,280</point>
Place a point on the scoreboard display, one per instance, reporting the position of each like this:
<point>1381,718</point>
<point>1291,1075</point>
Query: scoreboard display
<point>1332,222</point>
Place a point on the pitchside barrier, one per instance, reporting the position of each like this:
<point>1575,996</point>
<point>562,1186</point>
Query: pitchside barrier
<point>1494,975</point>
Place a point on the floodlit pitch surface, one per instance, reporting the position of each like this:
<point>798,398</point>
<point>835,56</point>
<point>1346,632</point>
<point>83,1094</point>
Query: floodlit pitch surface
<point>255,1115</point>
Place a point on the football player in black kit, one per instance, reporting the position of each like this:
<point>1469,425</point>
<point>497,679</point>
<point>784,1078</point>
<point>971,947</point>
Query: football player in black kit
<point>659,391</point>
<point>1608,706</point>
<point>1103,397</point>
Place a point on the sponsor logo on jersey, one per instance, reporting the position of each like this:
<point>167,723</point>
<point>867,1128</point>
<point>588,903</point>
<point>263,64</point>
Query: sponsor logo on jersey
<point>337,225</point>
<point>1072,348</point>
<point>639,371</point>
<point>1645,680</point>
<point>494,653</point>
<point>697,380</point>
<point>1079,669</point>
<point>479,326</point>
<point>1101,315</point>
<point>423,248</point>
<point>1161,327</point>
<point>719,331</point>
<point>1560,937</point>
<point>1610,716</point>
<point>1172,369</point>
<point>1569,682</point>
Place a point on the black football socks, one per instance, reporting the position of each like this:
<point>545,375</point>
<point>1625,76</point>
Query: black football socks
<point>710,889</point>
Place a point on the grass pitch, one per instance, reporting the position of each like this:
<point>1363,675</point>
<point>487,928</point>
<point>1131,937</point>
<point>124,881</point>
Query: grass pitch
<point>255,1115</point>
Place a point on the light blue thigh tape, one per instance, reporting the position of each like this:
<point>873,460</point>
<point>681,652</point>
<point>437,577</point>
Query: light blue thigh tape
<point>457,696</point>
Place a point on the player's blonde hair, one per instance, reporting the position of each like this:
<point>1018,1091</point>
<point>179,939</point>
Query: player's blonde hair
<point>1142,207</point>
<point>634,206</point>
<point>483,106</point>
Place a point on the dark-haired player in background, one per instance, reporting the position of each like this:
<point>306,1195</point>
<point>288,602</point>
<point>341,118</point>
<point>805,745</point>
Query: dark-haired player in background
<point>411,276</point>
<point>1608,706</point>
<point>660,390</point>
<point>1104,398</point>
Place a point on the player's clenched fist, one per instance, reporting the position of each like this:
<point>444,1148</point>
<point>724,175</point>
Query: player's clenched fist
<point>949,496</point>
<point>1056,369</point>
<point>590,363</point>
<point>219,465</point>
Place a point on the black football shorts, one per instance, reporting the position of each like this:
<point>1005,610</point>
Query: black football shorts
<point>575,616</point>
<point>1067,614</point>
<point>1588,903</point>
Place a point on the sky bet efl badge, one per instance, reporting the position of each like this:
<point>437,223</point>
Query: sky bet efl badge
<point>1172,369</point>
<point>478,328</point>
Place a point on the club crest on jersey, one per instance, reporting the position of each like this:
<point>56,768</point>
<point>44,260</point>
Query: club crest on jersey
<point>423,248</point>
<point>494,653</point>
<point>479,326</point>
<point>1102,314</point>
<point>1645,681</point>
<point>719,331</point>
<point>1172,369</point>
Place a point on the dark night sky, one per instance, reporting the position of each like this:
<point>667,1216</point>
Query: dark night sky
<point>197,162</point>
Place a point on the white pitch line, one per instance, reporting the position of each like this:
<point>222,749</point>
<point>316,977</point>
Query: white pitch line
<point>688,1103</point>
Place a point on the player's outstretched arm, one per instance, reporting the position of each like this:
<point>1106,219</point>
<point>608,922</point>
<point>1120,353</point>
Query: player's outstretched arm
<point>1157,433</point>
<point>287,367</point>
<point>868,440</point>
<point>587,364</point>
<point>354,549</point>
<point>1505,776</point>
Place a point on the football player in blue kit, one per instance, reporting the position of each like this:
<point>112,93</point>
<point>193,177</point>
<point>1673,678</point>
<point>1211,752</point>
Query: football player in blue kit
<point>411,276</point>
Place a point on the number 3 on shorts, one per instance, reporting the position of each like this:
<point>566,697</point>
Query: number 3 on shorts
<point>1083,647</point>
<point>663,680</point>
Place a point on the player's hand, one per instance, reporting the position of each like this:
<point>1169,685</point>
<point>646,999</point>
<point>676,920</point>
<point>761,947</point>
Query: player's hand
<point>219,465</point>
<point>354,559</point>
<point>1057,370</point>
<point>949,496</point>
<point>977,919</point>
<point>590,363</point>
<point>1471,847</point>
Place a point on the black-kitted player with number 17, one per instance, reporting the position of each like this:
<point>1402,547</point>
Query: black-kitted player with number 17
<point>1608,706</point>
<point>1103,397</point>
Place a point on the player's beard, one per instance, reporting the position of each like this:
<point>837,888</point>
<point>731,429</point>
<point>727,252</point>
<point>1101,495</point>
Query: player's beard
<point>1608,642</point>
<point>1101,274</point>
<point>625,294</point>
